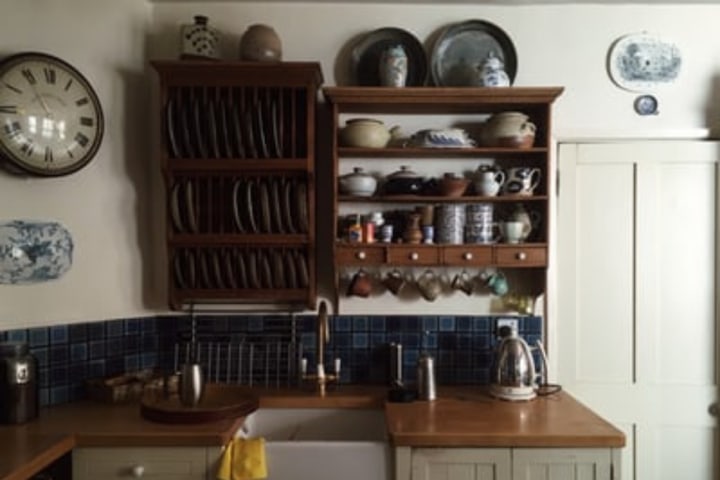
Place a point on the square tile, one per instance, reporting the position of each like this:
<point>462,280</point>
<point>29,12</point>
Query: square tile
<point>359,340</point>
<point>377,323</point>
<point>463,324</point>
<point>429,323</point>
<point>114,328</point>
<point>483,324</point>
<point>20,335</point>
<point>342,323</point>
<point>58,395</point>
<point>360,324</point>
<point>58,354</point>
<point>96,349</point>
<point>39,337</point>
<point>41,355</point>
<point>78,352</point>
<point>377,339</point>
<point>446,324</point>
<point>132,326</point>
<point>96,331</point>
<point>58,334</point>
<point>78,332</point>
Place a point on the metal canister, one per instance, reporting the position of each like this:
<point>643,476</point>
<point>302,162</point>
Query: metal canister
<point>395,364</point>
<point>426,377</point>
<point>18,383</point>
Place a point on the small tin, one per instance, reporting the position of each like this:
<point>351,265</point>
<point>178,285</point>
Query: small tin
<point>428,233</point>
<point>368,232</point>
<point>386,233</point>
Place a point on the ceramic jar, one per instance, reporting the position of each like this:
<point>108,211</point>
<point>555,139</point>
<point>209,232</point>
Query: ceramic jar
<point>199,40</point>
<point>366,133</point>
<point>492,73</point>
<point>452,185</point>
<point>393,67</point>
<point>508,129</point>
<point>358,183</point>
<point>260,43</point>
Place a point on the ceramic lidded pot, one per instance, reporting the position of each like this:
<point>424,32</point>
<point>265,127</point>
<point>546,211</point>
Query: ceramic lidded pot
<point>508,129</point>
<point>358,183</point>
<point>199,40</point>
<point>366,133</point>
<point>404,182</point>
<point>260,43</point>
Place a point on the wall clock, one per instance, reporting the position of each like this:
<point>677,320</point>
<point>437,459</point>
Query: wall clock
<point>51,121</point>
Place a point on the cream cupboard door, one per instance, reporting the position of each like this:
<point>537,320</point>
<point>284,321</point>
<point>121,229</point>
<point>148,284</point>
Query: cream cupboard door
<point>460,464</point>
<point>156,463</point>
<point>637,276</point>
<point>562,464</point>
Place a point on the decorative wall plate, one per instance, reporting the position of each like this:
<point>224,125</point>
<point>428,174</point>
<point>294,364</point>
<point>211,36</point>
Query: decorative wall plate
<point>33,252</point>
<point>641,62</point>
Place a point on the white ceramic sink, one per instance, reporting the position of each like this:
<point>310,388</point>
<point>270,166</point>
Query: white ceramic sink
<point>322,443</point>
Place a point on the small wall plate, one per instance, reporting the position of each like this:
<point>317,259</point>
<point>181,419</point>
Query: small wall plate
<point>646,105</point>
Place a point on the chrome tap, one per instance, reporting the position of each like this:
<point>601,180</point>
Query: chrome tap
<point>321,378</point>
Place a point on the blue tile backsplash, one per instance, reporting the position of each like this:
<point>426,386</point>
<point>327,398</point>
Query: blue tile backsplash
<point>68,355</point>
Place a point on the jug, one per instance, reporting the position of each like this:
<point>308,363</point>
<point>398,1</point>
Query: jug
<point>513,374</point>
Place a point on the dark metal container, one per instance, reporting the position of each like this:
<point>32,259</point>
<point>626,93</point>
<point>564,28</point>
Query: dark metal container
<point>18,383</point>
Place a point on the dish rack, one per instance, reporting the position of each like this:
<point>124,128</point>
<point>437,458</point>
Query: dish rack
<point>268,363</point>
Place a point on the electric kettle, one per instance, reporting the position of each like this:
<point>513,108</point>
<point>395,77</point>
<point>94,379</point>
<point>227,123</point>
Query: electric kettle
<point>513,374</point>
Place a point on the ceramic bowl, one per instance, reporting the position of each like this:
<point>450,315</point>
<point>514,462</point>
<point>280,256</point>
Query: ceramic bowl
<point>452,186</point>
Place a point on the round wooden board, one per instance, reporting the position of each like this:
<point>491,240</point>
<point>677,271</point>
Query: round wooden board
<point>218,403</point>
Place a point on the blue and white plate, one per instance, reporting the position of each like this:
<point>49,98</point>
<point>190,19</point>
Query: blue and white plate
<point>33,252</point>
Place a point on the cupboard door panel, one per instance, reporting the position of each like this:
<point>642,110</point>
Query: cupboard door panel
<point>460,464</point>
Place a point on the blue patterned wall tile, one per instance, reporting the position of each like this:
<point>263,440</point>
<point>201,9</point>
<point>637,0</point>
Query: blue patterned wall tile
<point>114,328</point>
<point>377,339</point>
<point>114,346</point>
<point>39,337</point>
<point>59,395</point>
<point>132,363</point>
<point>132,326</point>
<point>148,325</point>
<point>96,368</point>
<point>20,335</point>
<point>377,324</point>
<point>44,377</point>
<point>96,349</point>
<point>360,340</point>
<point>393,324</point>
<point>411,323</point>
<point>463,324</point>
<point>58,375</point>
<point>78,352</point>
<point>360,324</point>
<point>58,354</point>
<point>446,324</point>
<point>429,323</point>
<point>342,323</point>
<point>412,340</point>
<point>44,396</point>
<point>77,373</point>
<point>78,333</point>
<point>58,334</point>
<point>96,331</point>
<point>131,343</point>
<point>482,324</point>
<point>41,354</point>
<point>342,340</point>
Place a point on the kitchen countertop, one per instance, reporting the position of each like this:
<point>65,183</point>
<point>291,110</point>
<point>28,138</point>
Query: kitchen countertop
<point>461,416</point>
<point>469,417</point>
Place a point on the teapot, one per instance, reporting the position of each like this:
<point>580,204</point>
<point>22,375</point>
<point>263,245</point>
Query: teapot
<point>367,133</point>
<point>513,376</point>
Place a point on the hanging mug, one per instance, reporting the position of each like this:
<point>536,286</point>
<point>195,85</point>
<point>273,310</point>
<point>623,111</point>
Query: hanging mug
<point>497,283</point>
<point>463,282</point>
<point>521,180</point>
<point>394,281</point>
<point>360,285</point>
<point>429,285</point>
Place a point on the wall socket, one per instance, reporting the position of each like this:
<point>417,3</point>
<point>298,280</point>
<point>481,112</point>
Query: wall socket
<point>512,323</point>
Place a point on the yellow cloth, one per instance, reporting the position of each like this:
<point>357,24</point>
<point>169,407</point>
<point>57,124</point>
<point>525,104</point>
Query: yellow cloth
<point>244,459</point>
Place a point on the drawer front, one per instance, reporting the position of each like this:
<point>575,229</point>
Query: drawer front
<point>361,255</point>
<point>413,255</point>
<point>467,255</point>
<point>521,256</point>
<point>177,463</point>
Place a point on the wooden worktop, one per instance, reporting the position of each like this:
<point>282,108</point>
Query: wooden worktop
<point>463,416</point>
<point>469,417</point>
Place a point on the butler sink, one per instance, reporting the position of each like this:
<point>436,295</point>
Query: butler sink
<point>322,443</point>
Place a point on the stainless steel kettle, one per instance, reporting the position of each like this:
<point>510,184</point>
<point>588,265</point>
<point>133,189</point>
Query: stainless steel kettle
<point>513,375</point>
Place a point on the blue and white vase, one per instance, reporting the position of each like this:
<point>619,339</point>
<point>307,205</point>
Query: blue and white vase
<point>393,67</point>
<point>32,252</point>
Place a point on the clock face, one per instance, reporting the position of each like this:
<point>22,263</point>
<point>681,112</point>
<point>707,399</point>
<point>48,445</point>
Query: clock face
<point>51,120</point>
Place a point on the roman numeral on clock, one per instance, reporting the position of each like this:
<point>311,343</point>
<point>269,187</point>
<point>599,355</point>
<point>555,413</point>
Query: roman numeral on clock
<point>27,147</point>
<point>13,88</point>
<point>82,101</point>
<point>29,76</point>
<point>11,109</point>
<point>86,121</point>
<point>49,75</point>
<point>48,155</point>
<point>81,139</point>
<point>13,130</point>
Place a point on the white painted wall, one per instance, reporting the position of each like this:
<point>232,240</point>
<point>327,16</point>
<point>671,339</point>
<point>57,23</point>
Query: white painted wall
<point>114,208</point>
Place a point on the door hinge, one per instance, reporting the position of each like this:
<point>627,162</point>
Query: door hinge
<point>557,182</point>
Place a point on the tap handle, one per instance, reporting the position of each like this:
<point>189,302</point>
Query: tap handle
<point>337,365</point>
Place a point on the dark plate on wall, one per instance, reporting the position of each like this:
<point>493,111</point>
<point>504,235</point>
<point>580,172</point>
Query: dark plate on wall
<point>365,56</point>
<point>463,46</point>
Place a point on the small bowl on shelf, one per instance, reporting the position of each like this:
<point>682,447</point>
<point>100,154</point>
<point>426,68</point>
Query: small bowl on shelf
<point>451,185</point>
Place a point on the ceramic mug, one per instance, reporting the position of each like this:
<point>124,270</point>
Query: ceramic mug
<point>497,283</point>
<point>360,285</point>
<point>513,231</point>
<point>394,281</point>
<point>489,182</point>
<point>429,285</point>
<point>463,282</point>
<point>521,180</point>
